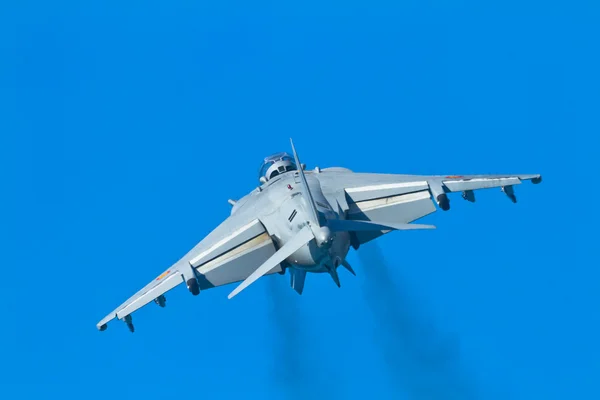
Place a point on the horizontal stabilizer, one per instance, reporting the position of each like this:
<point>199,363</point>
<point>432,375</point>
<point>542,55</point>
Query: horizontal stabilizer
<point>345,225</point>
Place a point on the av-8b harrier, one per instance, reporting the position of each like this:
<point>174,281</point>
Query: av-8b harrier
<point>303,221</point>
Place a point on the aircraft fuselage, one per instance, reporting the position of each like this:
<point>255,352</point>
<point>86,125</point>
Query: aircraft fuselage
<point>284,211</point>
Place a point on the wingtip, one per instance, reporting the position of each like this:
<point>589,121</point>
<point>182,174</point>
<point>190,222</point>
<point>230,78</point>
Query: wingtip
<point>102,325</point>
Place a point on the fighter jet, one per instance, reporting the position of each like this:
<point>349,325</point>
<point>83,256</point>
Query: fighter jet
<point>300,221</point>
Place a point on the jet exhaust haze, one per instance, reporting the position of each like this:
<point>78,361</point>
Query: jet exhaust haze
<point>293,367</point>
<point>423,362</point>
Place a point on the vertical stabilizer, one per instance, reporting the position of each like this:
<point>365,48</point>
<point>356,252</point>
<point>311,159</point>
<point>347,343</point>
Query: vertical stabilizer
<point>310,203</point>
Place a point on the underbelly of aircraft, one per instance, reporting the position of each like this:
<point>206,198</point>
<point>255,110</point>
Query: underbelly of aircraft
<point>314,259</point>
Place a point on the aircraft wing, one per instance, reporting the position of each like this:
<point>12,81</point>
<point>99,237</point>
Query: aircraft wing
<point>230,253</point>
<point>159,286</point>
<point>403,198</point>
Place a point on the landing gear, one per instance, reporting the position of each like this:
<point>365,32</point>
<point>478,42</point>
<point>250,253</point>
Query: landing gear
<point>443,201</point>
<point>193,286</point>
<point>438,192</point>
<point>190,277</point>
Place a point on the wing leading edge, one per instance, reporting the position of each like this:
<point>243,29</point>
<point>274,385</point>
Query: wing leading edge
<point>153,291</point>
<point>225,256</point>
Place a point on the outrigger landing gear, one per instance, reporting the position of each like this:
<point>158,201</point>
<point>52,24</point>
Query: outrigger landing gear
<point>438,191</point>
<point>193,286</point>
<point>191,280</point>
<point>443,201</point>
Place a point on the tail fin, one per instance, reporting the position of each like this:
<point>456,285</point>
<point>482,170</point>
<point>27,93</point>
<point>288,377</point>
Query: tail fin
<point>305,190</point>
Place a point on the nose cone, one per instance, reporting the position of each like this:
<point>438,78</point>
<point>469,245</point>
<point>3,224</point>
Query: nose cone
<point>324,237</point>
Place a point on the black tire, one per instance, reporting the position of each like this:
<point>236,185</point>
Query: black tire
<point>443,202</point>
<point>193,287</point>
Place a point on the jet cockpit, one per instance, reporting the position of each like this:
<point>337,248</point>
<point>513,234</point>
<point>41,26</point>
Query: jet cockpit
<point>276,164</point>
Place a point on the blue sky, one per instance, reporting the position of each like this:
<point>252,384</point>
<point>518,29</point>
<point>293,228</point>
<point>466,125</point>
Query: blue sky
<point>126,126</point>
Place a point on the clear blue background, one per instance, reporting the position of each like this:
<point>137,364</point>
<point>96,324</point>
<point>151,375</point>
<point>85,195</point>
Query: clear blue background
<point>126,126</point>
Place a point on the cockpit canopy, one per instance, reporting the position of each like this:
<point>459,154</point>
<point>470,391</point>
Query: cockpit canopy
<point>276,164</point>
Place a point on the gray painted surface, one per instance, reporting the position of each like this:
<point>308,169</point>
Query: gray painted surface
<point>252,240</point>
